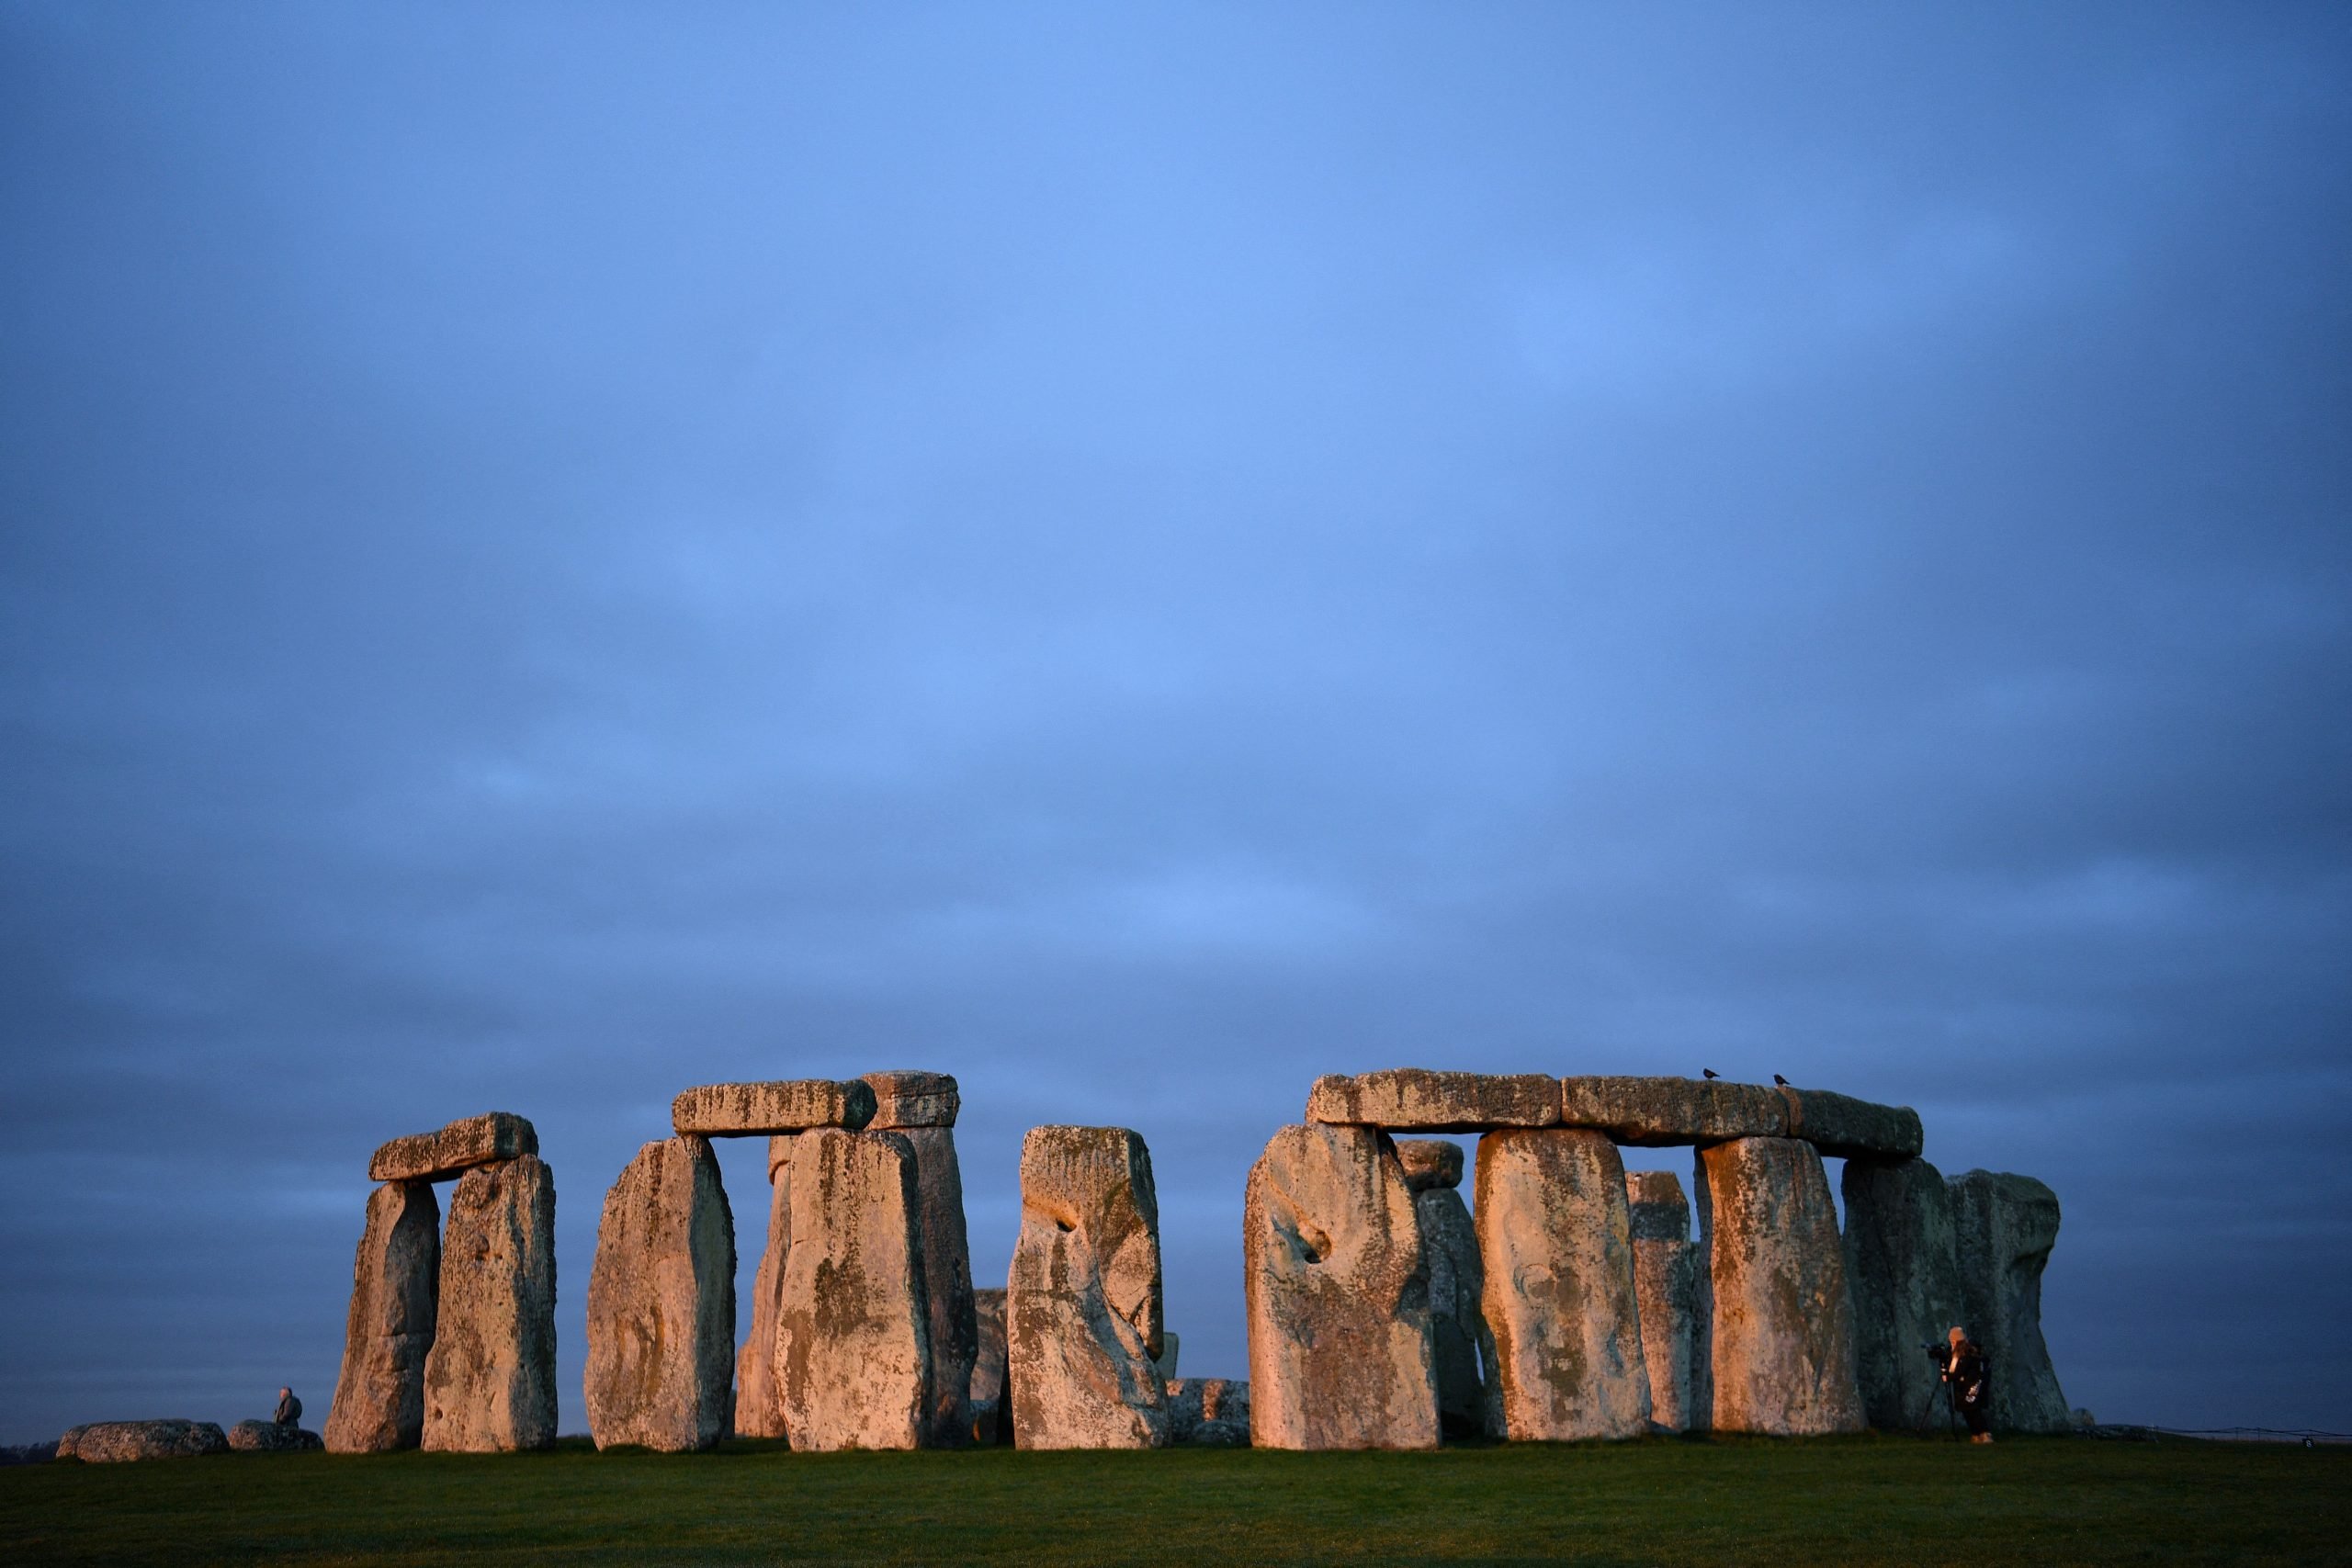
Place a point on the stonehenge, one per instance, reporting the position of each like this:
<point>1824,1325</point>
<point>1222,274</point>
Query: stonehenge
<point>1083,1304</point>
<point>395,1293</point>
<point>1459,1344</point>
<point>1666,1288</point>
<point>661,1304</point>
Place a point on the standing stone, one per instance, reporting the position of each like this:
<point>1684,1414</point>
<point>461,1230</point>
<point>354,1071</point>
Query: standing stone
<point>1082,1306</point>
<point>1666,1286</point>
<point>2006,1225</point>
<point>852,1338</point>
<point>490,1378</point>
<point>1781,1331</point>
<point>395,1287</point>
<point>1901,1259</point>
<point>1458,1337</point>
<point>1170,1343</point>
<point>1556,1242</point>
<point>989,1424</point>
<point>661,1304</point>
<point>758,1412</point>
<point>922,1108</point>
<point>1338,1295</point>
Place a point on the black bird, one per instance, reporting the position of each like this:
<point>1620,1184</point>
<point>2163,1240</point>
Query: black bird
<point>1711,1072</point>
<point>1779,1079</point>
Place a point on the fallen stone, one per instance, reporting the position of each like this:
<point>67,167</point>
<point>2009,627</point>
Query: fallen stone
<point>953,1325</point>
<point>660,1370</point>
<point>853,1340</point>
<point>489,1377</point>
<point>2006,1225</point>
<point>1556,1242</point>
<point>1780,1326</point>
<point>1903,1264</point>
<point>1665,1113</point>
<point>759,1410</point>
<point>913,1099</point>
<point>454,1149</point>
<point>1209,1412</point>
<point>1082,1306</point>
<point>1337,1295</point>
<point>1429,1162</point>
<point>1417,1099</point>
<point>1842,1127</point>
<point>395,1292</point>
<point>1666,1288</point>
<point>1459,1344</point>
<point>117,1442</point>
<point>988,1426</point>
<point>754,1110</point>
<point>270,1438</point>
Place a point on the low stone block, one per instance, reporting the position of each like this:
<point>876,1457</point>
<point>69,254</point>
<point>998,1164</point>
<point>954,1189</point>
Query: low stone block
<point>2006,1225</point>
<point>454,1149</point>
<point>1903,1263</point>
<point>1780,1323</point>
<point>1667,1290</point>
<point>489,1377</point>
<point>754,1110</point>
<point>395,1297</point>
<point>1209,1412</point>
<point>270,1438</point>
<point>1842,1127</point>
<point>1419,1100</point>
<point>1666,1112</point>
<point>1429,1163</point>
<point>117,1442</point>
<point>913,1099</point>
<point>661,1366</point>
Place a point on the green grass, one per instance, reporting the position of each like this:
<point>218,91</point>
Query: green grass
<point>1719,1504</point>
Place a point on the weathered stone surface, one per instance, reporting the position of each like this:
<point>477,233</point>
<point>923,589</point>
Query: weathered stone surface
<point>913,1099</point>
<point>988,1404</point>
<point>270,1438</point>
<point>947,1278</point>
<point>454,1149</point>
<point>1556,1242</point>
<point>115,1442</point>
<point>1780,1329</point>
<point>1082,1307</point>
<point>1901,1263</point>
<point>1209,1412</point>
<point>753,1110</point>
<point>1338,1295</point>
<point>1842,1127</point>
<point>489,1377</point>
<point>1429,1162</point>
<point>661,1367</point>
<point>1665,1287</point>
<point>1665,1113</point>
<point>395,1289</point>
<point>2006,1225</point>
<point>759,1410</point>
<point>1459,1343</point>
<point>1420,1100</point>
<point>853,1340</point>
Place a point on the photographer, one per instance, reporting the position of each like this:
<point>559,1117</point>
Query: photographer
<point>1967,1378</point>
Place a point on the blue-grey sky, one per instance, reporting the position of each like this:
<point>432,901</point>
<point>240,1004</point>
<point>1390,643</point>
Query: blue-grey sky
<point>1137,556</point>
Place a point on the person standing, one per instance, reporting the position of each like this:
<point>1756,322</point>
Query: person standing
<point>289,1409</point>
<point>1968,1383</point>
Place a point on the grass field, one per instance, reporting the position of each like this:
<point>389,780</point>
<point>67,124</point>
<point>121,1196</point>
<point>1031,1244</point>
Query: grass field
<point>1719,1504</point>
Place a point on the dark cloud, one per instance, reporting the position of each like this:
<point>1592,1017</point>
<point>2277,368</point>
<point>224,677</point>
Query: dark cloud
<point>550,558</point>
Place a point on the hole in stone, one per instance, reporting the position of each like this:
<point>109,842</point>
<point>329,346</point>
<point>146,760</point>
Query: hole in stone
<point>1063,1226</point>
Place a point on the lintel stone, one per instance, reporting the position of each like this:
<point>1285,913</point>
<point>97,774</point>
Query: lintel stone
<point>751,1110</point>
<point>454,1149</point>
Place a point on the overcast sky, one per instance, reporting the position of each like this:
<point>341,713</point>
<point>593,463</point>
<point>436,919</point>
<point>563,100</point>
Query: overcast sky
<point>1137,557</point>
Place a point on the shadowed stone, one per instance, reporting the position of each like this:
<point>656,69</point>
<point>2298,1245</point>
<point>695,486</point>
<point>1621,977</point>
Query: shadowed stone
<point>1429,1162</point>
<point>115,1442</point>
<point>989,1425</point>
<point>489,1377</point>
<point>661,1304</point>
<point>1209,1412</point>
<point>1664,1112</point>
<point>2006,1225</point>
<point>395,1288</point>
<point>1165,1362</point>
<point>270,1438</point>
<point>1555,1240</point>
<point>1780,1329</point>
<point>758,1412</point>
<point>454,1149</point>
<point>1338,1295</point>
<point>1902,1262</point>
<point>1458,1337</point>
<point>908,1098</point>
<point>1421,1100</point>
<point>853,1341</point>
<point>754,1110</point>
<point>1082,1307</point>
<point>1842,1127</point>
<point>947,1278</point>
<point>1665,1287</point>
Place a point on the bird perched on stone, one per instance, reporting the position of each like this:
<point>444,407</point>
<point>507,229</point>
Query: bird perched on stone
<point>1711,1072</point>
<point>1779,1079</point>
